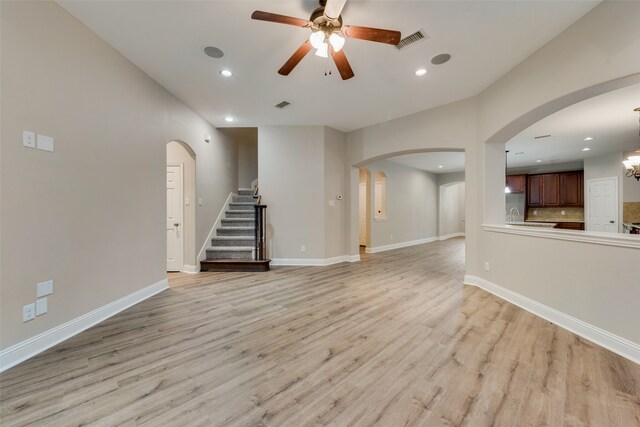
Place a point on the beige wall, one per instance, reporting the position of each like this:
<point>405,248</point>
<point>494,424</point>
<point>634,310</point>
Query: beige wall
<point>90,215</point>
<point>178,153</point>
<point>291,176</point>
<point>412,202</point>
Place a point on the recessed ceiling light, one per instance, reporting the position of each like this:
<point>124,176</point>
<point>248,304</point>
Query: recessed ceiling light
<point>229,119</point>
<point>439,166</point>
<point>420,72</point>
<point>538,161</point>
<point>589,138</point>
<point>226,73</point>
<point>586,149</point>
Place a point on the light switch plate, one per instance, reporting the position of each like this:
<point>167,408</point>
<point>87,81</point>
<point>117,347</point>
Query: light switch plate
<point>41,306</point>
<point>45,288</point>
<point>28,139</point>
<point>45,143</point>
<point>200,202</point>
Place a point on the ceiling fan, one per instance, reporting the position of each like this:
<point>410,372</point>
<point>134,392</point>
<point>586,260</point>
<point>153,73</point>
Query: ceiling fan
<point>327,35</point>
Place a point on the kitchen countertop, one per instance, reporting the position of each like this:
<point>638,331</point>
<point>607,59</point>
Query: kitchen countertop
<point>556,221</point>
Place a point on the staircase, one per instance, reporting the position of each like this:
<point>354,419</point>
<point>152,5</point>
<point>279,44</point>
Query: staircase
<point>233,248</point>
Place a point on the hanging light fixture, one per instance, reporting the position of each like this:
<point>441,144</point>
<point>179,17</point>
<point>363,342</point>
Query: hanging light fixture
<point>632,164</point>
<point>507,190</point>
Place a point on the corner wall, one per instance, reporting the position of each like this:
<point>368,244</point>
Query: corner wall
<point>90,215</point>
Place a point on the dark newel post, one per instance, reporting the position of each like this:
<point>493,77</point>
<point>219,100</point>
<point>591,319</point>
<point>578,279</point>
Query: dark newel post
<point>260,218</point>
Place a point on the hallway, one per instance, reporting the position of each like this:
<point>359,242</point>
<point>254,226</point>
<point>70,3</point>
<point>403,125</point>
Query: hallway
<point>394,340</point>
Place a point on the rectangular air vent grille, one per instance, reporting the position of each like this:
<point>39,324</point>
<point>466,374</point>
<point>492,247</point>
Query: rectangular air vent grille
<point>411,39</point>
<point>282,104</point>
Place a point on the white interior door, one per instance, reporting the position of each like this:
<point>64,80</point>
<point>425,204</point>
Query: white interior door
<point>175,236</point>
<point>363,214</point>
<point>603,204</point>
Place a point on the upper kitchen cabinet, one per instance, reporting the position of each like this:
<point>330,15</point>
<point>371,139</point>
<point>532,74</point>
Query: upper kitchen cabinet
<point>516,183</point>
<point>572,189</point>
<point>534,191</point>
<point>551,190</point>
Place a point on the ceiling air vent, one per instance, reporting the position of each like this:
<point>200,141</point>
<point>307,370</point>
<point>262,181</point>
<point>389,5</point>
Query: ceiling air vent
<point>541,136</point>
<point>282,104</point>
<point>411,39</point>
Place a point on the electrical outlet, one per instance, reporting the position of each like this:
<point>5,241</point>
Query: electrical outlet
<point>303,248</point>
<point>487,267</point>
<point>391,236</point>
<point>28,139</point>
<point>563,213</point>
<point>41,306</point>
<point>535,212</point>
<point>28,312</point>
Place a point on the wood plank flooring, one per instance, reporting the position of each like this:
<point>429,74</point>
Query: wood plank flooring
<point>395,340</point>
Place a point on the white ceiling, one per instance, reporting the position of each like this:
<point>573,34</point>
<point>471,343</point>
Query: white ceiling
<point>166,40</point>
<point>608,118</point>
<point>431,162</point>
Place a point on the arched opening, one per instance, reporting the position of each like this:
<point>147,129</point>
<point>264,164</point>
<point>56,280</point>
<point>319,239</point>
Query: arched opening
<point>181,203</point>
<point>405,199</point>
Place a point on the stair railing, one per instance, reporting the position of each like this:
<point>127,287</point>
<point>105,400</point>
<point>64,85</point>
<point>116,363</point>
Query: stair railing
<point>260,216</point>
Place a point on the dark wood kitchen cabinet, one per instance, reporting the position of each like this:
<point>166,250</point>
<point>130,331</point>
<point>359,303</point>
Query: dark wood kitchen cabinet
<point>516,183</point>
<point>551,190</point>
<point>572,189</point>
<point>534,191</point>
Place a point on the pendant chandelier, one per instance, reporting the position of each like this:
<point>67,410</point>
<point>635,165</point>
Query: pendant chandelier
<point>632,164</point>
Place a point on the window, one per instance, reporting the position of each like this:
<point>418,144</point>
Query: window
<point>380,196</point>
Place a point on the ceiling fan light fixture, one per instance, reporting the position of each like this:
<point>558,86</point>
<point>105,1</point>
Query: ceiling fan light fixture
<point>323,51</point>
<point>337,41</point>
<point>316,39</point>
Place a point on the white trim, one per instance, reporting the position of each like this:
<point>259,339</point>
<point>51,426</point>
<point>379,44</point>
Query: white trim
<point>400,245</point>
<point>593,237</point>
<point>202,254</point>
<point>316,262</point>
<point>450,236</point>
<point>30,347</point>
<point>191,269</point>
<point>615,343</point>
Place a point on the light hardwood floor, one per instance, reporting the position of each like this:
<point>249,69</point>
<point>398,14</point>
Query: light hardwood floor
<point>395,340</point>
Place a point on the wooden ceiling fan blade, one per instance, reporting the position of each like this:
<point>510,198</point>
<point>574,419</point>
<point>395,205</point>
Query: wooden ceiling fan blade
<point>333,8</point>
<point>342,64</point>
<point>295,58</point>
<point>279,19</point>
<point>372,34</point>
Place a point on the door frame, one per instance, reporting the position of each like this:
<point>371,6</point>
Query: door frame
<point>180,165</point>
<point>587,204</point>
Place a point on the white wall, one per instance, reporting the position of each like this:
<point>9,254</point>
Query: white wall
<point>412,196</point>
<point>177,153</point>
<point>452,209</point>
<point>90,215</point>
<point>606,166</point>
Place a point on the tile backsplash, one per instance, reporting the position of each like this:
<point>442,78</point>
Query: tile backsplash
<point>630,212</point>
<point>555,214</point>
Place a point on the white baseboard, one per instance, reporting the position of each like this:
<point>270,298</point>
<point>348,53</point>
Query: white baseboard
<point>315,262</point>
<point>30,347</point>
<point>191,269</point>
<point>616,344</point>
<point>450,236</point>
<point>202,254</point>
<point>400,245</point>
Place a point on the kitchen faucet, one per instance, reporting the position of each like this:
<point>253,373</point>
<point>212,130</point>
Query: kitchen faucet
<point>511,213</point>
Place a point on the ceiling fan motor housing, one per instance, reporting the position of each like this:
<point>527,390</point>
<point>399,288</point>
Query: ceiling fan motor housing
<point>321,23</point>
